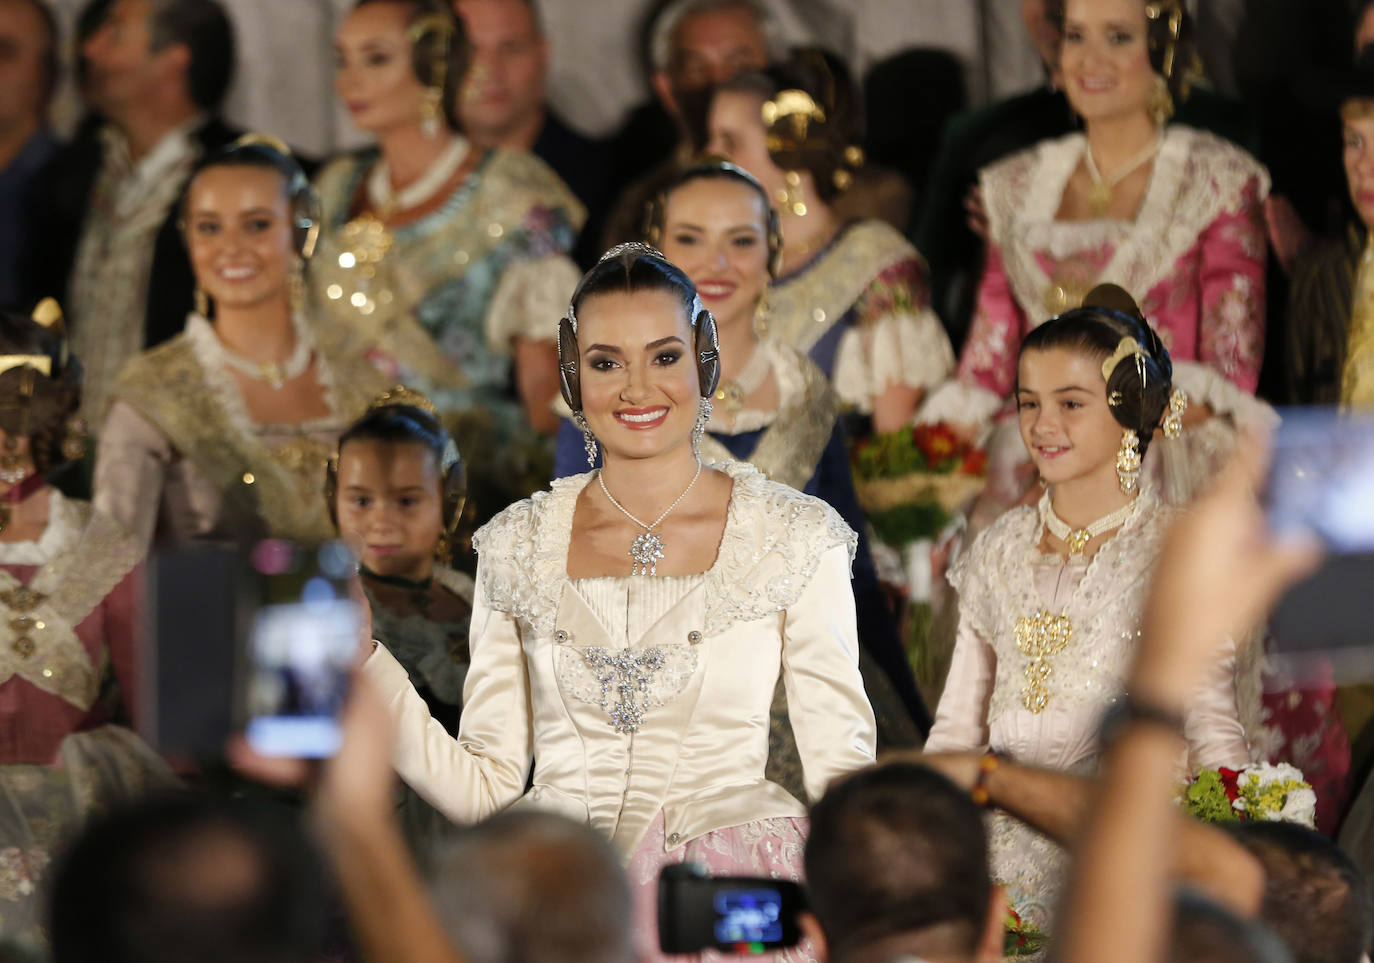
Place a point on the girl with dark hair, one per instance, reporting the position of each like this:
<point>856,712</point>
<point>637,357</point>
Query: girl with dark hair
<point>852,296</point>
<point>774,409</point>
<point>631,625</point>
<point>442,263</point>
<point>69,591</point>
<point>1050,597</point>
<point>225,429</point>
<point>396,490</point>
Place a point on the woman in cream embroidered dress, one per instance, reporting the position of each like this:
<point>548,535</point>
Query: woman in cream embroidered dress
<point>774,409</point>
<point>442,263</point>
<point>1050,598</point>
<point>1173,215</point>
<point>853,297</point>
<point>226,428</point>
<point>68,603</point>
<point>630,626</point>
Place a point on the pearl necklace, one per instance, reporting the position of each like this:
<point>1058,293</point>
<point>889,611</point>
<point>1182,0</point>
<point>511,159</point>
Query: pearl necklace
<point>276,374</point>
<point>647,548</point>
<point>731,393</point>
<point>1100,199</point>
<point>385,201</point>
<point>1078,538</point>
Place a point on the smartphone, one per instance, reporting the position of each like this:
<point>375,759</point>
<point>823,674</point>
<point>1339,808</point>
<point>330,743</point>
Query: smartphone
<point>1321,482</point>
<point>258,637</point>
<point>302,643</point>
<point>741,915</point>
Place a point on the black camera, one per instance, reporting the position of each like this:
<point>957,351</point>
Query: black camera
<point>744,915</point>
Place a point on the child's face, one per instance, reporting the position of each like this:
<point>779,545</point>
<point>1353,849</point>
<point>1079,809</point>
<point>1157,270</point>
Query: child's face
<point>390,503</point>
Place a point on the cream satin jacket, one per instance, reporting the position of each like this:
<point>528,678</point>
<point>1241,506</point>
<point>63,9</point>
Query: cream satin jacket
<point>677,720</point>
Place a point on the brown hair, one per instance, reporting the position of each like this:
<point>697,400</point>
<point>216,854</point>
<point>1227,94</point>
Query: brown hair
<point>1159,39</point>
<point>450,42</point>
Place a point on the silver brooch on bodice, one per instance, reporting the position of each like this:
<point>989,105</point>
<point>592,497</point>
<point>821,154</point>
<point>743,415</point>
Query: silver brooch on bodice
<point>648,547</point>
<point>629,674</point>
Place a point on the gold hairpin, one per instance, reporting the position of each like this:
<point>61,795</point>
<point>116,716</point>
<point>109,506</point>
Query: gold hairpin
<point>1126,348</point>
<point>401,395</point>
<point>40,362</point>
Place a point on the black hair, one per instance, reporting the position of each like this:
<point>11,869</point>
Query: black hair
<point>1206,932</point>
<point>426,50</point>
<point>828,149</point>
<point>1139,388</point>
<point>263,153</point>
<point>400,424</point>
<point>41,407</point>
<point>205,29</point>
<point>136,886</point>
<point>897,849</point>
<point>638,268</point>
<point>1315,898</point>
<point>1158,39</point>
<point>718,169</point>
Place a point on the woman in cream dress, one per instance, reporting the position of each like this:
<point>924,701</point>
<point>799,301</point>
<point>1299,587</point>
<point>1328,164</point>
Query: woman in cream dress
<point>1050,598</point>
<point>630,626</point>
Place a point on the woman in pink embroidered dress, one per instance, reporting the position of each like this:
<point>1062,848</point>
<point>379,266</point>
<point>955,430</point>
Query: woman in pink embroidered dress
<point>68,593</point>
<point>1171,214</point>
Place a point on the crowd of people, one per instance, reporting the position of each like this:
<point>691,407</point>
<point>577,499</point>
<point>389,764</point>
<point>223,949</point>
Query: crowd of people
<point>593,417</point>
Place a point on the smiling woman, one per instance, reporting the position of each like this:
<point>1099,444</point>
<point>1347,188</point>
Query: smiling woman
<point>225,429</point>
<point>629,629</point>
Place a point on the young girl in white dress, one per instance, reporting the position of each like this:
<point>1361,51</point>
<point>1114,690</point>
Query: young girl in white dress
<point>630,625</point>
<point>1050,597</point>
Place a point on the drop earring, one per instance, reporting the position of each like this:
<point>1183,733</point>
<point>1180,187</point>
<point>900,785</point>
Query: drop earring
<point>699,427</point>
<point>1160,104</point>
<point>430,112</point>
<point>1128,462</point>
<point>202,302</point>
<point>588,439</point>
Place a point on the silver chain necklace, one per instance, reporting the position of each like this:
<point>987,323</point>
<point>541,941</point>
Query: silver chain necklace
<point>647,548</point>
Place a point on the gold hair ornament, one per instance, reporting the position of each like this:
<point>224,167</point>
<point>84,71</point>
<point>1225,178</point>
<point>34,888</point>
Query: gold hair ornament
<point>1127,347</point>
<point>432,110</point>
<point>798,109</point>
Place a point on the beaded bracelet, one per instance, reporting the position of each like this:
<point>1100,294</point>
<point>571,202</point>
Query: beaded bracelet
<point>987,765</point>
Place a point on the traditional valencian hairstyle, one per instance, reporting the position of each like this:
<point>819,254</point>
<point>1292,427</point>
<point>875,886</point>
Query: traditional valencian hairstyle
<point>629,268</point>
<point>440,55</point>
<point>1171,38</point>
<point>710,167</point>
<point>40,388</point>
<point>1136,365</point>
<point>403,416</point>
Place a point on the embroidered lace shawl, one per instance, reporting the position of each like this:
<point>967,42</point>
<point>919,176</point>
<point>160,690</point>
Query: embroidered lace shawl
<point>773,540</point>
<point>1194,259</point>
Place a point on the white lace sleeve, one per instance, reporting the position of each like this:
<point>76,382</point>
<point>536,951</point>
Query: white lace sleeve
<point>530,298</point>
<point>1204,385</point>
<point>958,402</point>
<point>904,348</point>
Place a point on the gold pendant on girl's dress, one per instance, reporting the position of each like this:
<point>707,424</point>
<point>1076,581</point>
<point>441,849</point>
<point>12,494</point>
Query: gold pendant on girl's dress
<point>1100,199</point>
<point>1040,636</point>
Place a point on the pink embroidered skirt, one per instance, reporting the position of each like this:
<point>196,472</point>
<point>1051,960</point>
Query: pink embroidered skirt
<point>765,847</point>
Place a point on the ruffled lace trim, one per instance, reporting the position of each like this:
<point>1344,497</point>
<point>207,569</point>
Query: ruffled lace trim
<point>958,402</point>
<point>61,529</point>
<point>906,349</point>
<point>772,544</point>
<point>1205,386</point>
<point>529,299</point>
<point>209,354</point>
<point>1197,178</point>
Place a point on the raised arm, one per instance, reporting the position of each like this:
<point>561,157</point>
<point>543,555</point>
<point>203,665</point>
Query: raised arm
<point>484,769</point>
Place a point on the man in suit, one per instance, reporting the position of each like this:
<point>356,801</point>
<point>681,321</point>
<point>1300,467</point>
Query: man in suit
<point>107,244</point>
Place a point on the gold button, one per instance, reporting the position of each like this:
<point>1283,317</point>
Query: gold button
<point>40,625</point>
<point>47,673</point>
<point>561,637</point>
<point>694,636</point>
<point>24,646</point>
<point>819,315</point>
<point>249,478</point>
<point>675,838</point>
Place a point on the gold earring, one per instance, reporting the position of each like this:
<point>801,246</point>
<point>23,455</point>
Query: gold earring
<point>1173,421</point>
<point>430,112</point>
<point>1128,462</point>
<point>791,196</point>
<point>295,287</point>
<point>202,303</point>
<point>75,438</point>
<point>1160,103</point>
<point>443,549</point>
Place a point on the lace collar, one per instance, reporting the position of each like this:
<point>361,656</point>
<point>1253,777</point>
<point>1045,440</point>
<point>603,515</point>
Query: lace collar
<point>209,353</point>
<point>61,529</point>
<point>773,539</point>
<point>1196,178</point>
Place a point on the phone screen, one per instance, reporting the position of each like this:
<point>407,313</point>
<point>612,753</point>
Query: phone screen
<point>1321,482</point>
<point>748,916</point>
<point>303,640</point>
